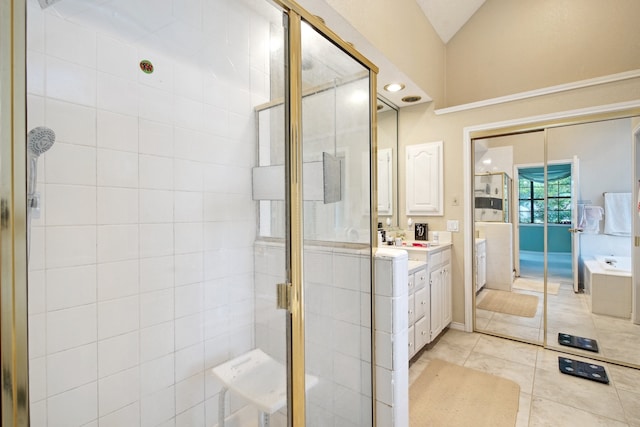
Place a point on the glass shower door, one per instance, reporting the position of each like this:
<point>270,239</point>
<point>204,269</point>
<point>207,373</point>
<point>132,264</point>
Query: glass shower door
<point>336,147</point>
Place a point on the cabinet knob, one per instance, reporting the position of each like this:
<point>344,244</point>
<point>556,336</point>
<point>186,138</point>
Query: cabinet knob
<point>423,302</point>
<point>424,333</point>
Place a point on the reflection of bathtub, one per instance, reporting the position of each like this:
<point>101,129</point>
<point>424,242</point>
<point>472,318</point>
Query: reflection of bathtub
<point>607,281</point>
<point>615,264</point>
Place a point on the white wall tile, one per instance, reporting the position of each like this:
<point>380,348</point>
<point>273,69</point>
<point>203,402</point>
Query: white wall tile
<point>70,205</point>
<point>155,138</point>
<point>156,273</point>
<point>117,279</point>
<point>188,206</point>
<point>35,116</point>
<point>70,164</point>
<point>156,172</point>
<point>117,169</point>
<point>37,248</point>
<point>194,416</point>
<point>189,268</point>
<point>37,379</point>
<point>347,338</point>
<point>35,73</point>
<point>117,94</point>
<point>189,361</point>
<point>156,240</point>
<point>37,299</point>
<point>188,237</point>
<point>215,121</point>
<point>117,317</point>
<point>116,57</point>
<point>72,368</point>
<point>72,123</point>
<point>117,205</point>
<point>156,307</point>
<point>71,327</point>
<point>118,353</point>
<point>35,28</point>
<point>190,144</point>
<point>117,131</point>
<point>189,392</point>
<point>37,335</point>
<point>188,300</point>
<point>69,287</point>
<point>117,242</point>
<point>127,416</point>
<point>156,341</point>
<point>346,305</point>
<point>188,175</point>
<point>157,374</point>
<point>118,390</point>
<point>70,246</point>
<point>155,104</point>
<point>69,41</point>
<point>158,407</point>
<point>75,407</point>
<point>189,330</point>
<point>156,206</point>
<point>188,113</point>
<point>70,82</point>
<point>188,80</point>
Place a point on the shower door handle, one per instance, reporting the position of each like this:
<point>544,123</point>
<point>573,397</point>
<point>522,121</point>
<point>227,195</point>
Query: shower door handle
<point>575,230</point>
<point>284,296</point>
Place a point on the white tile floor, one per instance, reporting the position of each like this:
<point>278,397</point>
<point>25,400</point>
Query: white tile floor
<point>568,312</point>
<point>547,397</point>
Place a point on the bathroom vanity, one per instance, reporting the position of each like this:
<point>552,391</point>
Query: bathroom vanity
<point>429,294</point>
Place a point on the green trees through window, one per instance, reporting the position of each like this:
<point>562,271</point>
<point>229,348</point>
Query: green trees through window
<point>531,201</point>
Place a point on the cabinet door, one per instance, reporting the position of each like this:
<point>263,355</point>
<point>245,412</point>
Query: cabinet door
<point>421,302</point>
<point>412,341</point>
<point>423,336</point>
<point>412,312</point>
<point>424,179</point>
<point>447,315</point>
<point>435,282</point>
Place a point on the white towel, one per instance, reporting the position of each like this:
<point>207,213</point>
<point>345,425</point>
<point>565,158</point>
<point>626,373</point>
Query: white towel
<point>589,218</point>
<point>617,214</point>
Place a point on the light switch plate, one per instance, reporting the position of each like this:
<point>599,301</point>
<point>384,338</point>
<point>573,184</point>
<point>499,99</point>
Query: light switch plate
<point>452,225</point>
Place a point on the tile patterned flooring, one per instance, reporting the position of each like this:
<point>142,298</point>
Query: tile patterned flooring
<point>547,397</point>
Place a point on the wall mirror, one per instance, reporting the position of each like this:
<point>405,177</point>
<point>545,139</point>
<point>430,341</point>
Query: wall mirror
<point>554,233</point>
<point>387,163</point>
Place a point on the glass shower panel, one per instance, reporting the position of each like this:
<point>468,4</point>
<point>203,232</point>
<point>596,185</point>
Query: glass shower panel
<point>337,255</point>
<point>145,272</point>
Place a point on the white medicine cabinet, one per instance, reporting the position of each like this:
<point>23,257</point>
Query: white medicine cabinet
<point>424,179</point>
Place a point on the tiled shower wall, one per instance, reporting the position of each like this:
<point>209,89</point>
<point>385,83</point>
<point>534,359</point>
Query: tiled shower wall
<point>141,269</point>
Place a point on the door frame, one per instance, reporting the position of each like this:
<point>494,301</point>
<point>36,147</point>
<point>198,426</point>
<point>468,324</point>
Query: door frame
<point>526,124</point>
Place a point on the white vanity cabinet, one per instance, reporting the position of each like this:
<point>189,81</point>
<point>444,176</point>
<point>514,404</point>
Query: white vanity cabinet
<point>430,306</point>
<point>418,306</point>
<point>481,263</point>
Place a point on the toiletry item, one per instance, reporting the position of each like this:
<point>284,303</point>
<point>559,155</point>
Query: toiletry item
<point>436,237</point>
<point>398,241</point>
<point>379,238</point>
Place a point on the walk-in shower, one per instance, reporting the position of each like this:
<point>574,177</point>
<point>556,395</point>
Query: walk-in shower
<point>153,262</point>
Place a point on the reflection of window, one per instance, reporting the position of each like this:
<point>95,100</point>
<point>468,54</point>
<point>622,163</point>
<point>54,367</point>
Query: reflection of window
<point>531,201</point>
<point>531,194</point>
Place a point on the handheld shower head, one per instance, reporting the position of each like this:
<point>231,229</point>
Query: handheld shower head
<point>39,140</point>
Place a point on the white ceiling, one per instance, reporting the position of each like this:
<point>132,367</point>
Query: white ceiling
<point>448,16</point>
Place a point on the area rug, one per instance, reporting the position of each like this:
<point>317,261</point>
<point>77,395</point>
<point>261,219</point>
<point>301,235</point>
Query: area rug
<point>509,303</point>
<point>454,396</point>
<point>536,285</point>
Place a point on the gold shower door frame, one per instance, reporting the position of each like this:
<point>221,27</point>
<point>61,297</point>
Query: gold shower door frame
<point>13,250</point>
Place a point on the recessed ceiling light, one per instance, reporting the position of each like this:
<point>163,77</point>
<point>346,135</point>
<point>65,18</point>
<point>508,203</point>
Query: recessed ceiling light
<point>411,98</point>
<point>394,87</point>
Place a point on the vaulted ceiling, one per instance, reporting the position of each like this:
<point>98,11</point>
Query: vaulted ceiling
<point>448,16</point>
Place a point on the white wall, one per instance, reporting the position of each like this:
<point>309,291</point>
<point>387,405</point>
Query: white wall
<point>141,272</point>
